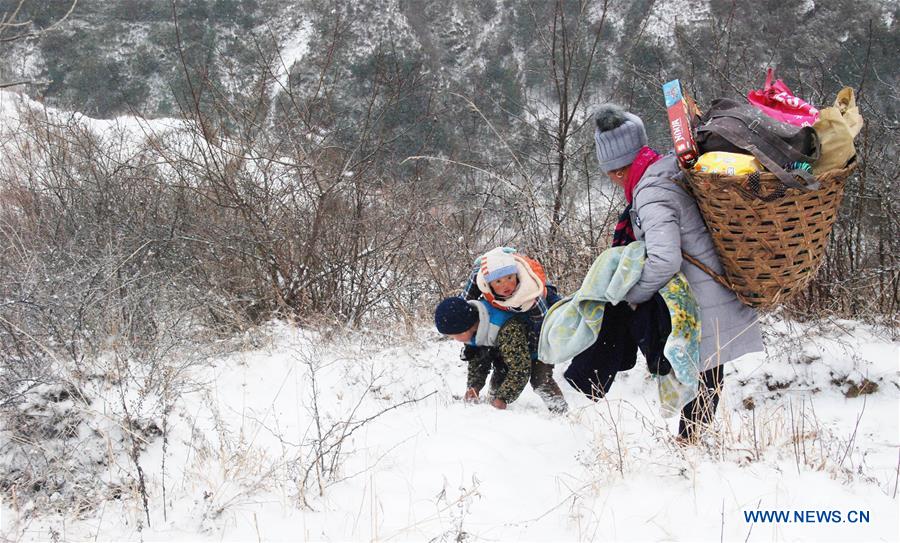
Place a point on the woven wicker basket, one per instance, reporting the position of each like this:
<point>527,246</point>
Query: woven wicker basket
<point>770,240</point>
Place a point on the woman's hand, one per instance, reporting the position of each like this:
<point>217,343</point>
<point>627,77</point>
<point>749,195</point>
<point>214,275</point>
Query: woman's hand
<point>498,403</point>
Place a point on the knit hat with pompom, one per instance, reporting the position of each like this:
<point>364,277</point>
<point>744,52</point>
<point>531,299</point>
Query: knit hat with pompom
<point>618,136</point>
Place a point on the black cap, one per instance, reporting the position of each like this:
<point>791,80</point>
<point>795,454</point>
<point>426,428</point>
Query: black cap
<point>454,316</point>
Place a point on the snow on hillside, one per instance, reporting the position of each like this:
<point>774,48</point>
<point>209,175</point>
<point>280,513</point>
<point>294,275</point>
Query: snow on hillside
<point>363,437</point>
<point>292,50</point>
<point>122,137</point>
<point>30,133</point>
<point>665,15</point>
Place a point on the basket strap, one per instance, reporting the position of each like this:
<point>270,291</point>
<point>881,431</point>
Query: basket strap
<point>681,179</point>
<point>706,269</point>
<point>753,125</point>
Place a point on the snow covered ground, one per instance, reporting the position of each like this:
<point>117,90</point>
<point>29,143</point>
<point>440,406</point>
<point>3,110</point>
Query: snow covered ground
<point>364,437</point>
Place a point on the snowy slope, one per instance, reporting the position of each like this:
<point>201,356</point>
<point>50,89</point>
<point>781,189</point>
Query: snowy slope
<point>122,137</point>
<point>427,467</point>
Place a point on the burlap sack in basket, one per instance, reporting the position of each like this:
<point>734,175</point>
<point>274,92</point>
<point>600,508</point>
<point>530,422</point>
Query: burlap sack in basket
<point>837,127</point>
<point>770,249</point>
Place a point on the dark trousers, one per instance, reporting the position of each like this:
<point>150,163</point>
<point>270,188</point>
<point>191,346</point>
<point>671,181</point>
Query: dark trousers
<point>541,380</point>
<point>699,412</point>
<point>623,332</point>
<point>593,371</point>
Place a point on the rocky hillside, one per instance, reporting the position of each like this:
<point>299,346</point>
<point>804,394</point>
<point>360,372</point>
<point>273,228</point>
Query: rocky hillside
<point>482,89</point>
<point>107,58</point>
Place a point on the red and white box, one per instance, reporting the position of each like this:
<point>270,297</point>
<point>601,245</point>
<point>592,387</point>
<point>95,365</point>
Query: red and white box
<point>680,124</point>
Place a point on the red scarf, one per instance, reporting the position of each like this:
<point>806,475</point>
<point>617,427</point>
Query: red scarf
<point>644,158</point>
<point>624,234</point>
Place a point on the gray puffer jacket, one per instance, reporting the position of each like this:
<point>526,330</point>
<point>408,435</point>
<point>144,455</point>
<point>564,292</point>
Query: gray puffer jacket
<point>667,219</point>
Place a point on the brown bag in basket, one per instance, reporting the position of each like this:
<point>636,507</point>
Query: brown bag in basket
<point>837,127</point>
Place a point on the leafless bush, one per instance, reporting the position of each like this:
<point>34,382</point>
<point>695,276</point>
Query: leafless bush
<point>126,244</point>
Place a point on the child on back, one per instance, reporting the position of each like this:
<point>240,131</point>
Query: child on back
<point>511,281</point>
<point>497,340</point>
<point>505,284</point>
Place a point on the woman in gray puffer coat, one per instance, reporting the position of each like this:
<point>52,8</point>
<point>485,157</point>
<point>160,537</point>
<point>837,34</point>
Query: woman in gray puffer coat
<point>667,219</point>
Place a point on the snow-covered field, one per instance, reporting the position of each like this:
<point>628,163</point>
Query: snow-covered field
<point>364,437</point>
